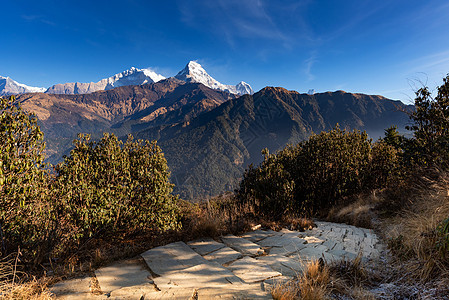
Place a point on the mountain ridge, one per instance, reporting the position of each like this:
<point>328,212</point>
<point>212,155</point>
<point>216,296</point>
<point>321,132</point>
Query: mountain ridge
<point>193,73</point>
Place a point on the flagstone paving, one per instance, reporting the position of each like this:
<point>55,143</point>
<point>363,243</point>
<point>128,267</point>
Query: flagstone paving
<point>230,267</point>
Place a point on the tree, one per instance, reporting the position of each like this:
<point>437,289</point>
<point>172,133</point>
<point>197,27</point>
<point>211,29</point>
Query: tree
<point>393,137</point>
<point>431,126</point>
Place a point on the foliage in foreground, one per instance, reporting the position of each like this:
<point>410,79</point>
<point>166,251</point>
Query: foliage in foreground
<point>100,189</point>
<point>111,186</point>
<point>321,280</point>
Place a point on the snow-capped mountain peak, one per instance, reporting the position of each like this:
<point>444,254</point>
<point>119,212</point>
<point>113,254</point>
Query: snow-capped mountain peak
<point>132,76</point>
<point>244,88</point>
<point>194,72</point>
<point>11,87</point>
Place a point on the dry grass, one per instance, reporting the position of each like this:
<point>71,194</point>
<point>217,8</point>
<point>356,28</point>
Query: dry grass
<point>223,214</point>
<point>347,278</point>
<point>215,217</point>
<point>414,233</point>
<point>33,289</point>
<point>358,212</point>
<point>16,285</point>
<point>312,284</point>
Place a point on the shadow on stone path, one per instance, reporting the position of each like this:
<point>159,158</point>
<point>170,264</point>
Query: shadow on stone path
<point>242,267</point>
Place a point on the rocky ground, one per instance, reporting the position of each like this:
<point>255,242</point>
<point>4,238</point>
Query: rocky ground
<point>244,267</point>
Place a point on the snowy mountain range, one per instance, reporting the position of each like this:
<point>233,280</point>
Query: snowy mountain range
<point>193,72</point>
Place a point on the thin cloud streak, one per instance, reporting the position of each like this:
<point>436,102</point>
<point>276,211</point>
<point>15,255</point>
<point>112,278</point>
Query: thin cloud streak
<point>38,18</point>
<point>308,69</point>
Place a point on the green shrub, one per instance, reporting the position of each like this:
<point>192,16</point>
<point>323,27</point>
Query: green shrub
<point>99,190</point>
<point>385,165</point>
<point>317,172</point>
<point>268,188</point>
<point>25,214</point>
<point>109,186</point>
<point>331,165</point>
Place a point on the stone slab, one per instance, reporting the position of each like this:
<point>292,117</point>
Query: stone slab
<point>343,254</point>
<point>276,281</point>
<point>257,235</point>
<point>245,291</point>
<point>311,253</point>
<point>205,246</point>
<point>172,294</point>
<point>288,249</point>
<point>330,244</point>
<point>289,267</point>
<point>143,291</point>
<point>223,256</point>
<point>250,270</point>
<point>242,245</point>
<point>171,257</point>
<point>289,233</point>
<point>202,275</point>
<point>280,241</point>
<point>78,288</point>
<point>122,274</point>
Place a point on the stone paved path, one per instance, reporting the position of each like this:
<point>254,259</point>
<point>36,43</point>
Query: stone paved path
<point>232,267</point>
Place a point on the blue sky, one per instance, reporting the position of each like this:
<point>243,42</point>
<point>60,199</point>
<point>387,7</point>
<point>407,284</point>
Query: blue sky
<point>373,47</point>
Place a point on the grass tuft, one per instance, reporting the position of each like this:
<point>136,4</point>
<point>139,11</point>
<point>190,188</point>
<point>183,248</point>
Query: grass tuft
<point>419,236</point>
<point>312,284</point>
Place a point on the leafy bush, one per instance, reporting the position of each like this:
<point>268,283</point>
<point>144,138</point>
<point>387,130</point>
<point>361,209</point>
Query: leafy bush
<point>331,165</point>
<point>317,172</point>
<point>268,188</point>
<point>25,216</point>
<point>109,186</point>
